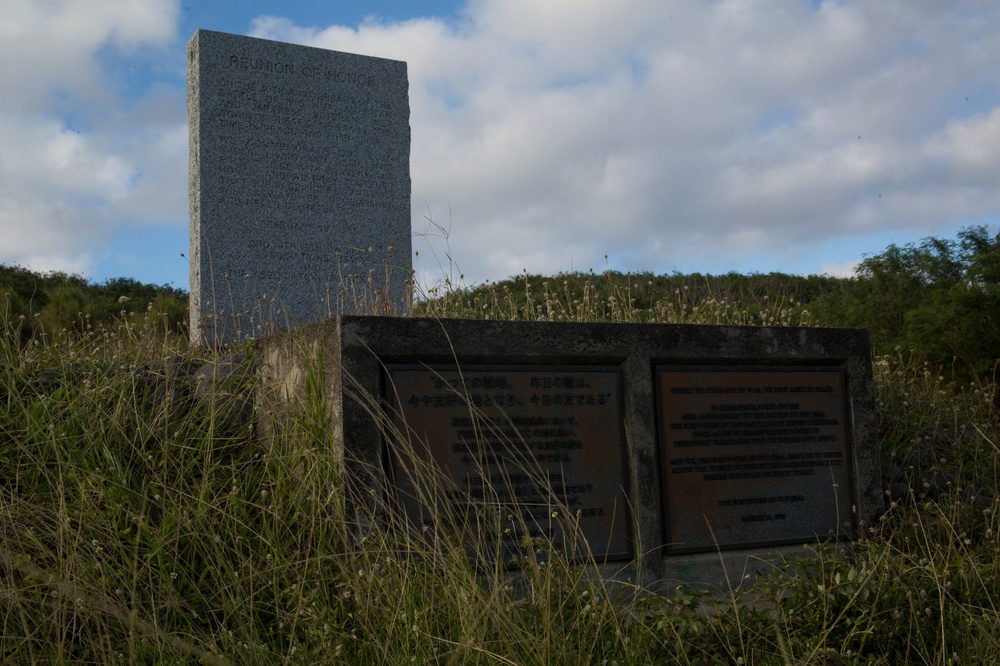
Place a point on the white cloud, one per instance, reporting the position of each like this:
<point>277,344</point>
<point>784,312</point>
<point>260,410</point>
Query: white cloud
<point>845,269</point>
<point>64,167</point>
<point>969,146</point>
<point>57,42</point>
<point>668,135</point>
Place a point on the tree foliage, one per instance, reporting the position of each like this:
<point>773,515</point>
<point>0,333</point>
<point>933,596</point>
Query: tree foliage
<point>939,299</point>
<point>55,303</point>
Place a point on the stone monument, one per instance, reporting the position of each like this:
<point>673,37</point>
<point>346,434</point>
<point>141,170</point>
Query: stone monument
<point>299,186</point>
<point>671,454</point>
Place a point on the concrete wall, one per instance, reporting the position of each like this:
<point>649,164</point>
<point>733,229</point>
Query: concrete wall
<point>355,358</point>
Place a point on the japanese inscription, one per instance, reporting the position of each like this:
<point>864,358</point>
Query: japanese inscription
<point>529,453</point>
<point>753,456</point>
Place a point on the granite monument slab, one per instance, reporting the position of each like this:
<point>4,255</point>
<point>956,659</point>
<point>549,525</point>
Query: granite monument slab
<point>299,185</point>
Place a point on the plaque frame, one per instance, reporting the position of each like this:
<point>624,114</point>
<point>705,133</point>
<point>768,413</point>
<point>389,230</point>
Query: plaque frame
<point>620,544</point>
<point>348,355</point>
<point>846,526</point>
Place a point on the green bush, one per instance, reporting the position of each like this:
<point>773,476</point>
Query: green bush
<point>68,311</point>
<point>940,299</point>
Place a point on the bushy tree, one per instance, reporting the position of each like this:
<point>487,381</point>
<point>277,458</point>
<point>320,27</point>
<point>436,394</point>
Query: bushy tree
<point>51,303</point>
<point>68,310</point>
<point>940,299</point>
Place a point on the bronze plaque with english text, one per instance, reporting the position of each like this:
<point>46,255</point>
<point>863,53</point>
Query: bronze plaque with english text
<point>753,456</point>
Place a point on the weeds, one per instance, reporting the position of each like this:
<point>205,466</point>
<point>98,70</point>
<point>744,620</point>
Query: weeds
<point>139,530</point>
<point>611,297</point>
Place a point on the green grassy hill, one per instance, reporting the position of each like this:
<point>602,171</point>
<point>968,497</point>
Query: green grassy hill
<point>142,521</point>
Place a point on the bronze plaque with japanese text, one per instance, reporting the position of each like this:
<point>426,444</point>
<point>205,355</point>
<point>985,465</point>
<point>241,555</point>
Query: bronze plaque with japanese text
<point>528,452</point>
<point>753,456</point>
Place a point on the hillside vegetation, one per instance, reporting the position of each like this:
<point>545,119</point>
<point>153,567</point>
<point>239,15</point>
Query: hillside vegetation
<point>53,304</point>
<point>143,521</point>
<point>938,300</point>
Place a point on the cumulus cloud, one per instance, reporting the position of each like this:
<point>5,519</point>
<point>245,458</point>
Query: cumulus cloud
<point>690,134</point>
<point>839,270</point>
<point>66,163</point>
<point>681,135</point>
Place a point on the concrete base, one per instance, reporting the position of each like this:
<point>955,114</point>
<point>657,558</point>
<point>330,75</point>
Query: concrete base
<point>778,470</point>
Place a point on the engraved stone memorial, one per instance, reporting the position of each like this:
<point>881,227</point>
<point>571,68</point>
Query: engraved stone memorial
<point>299,185</point>
<point>679,454</point>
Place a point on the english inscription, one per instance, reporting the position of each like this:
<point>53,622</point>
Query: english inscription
<point>753,456</point>
<point>529,453</point>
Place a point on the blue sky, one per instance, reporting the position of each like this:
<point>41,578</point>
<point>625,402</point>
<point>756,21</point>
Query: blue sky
<point>669,135</point>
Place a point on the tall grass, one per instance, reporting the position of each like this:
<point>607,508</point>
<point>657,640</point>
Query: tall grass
<point>610,297</point>
<point>142,526</point>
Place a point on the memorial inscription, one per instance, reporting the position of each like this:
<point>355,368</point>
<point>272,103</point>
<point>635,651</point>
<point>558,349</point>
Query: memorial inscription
<point>299,185</point>
<point>753,456</point>
<point>529,451</point>
<point>661,442</point>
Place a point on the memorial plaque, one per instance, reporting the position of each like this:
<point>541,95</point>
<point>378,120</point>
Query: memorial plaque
<point>665,440</point>
<point>530,452</point>
<point>753,456</point>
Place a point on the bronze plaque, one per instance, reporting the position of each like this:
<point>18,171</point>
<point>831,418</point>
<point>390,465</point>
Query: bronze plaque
<point>753,456</point>
<point>527,453</point>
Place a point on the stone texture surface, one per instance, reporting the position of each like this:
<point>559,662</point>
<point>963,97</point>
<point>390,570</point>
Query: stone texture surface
<point>349,354</point>
<point>299,185</point>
